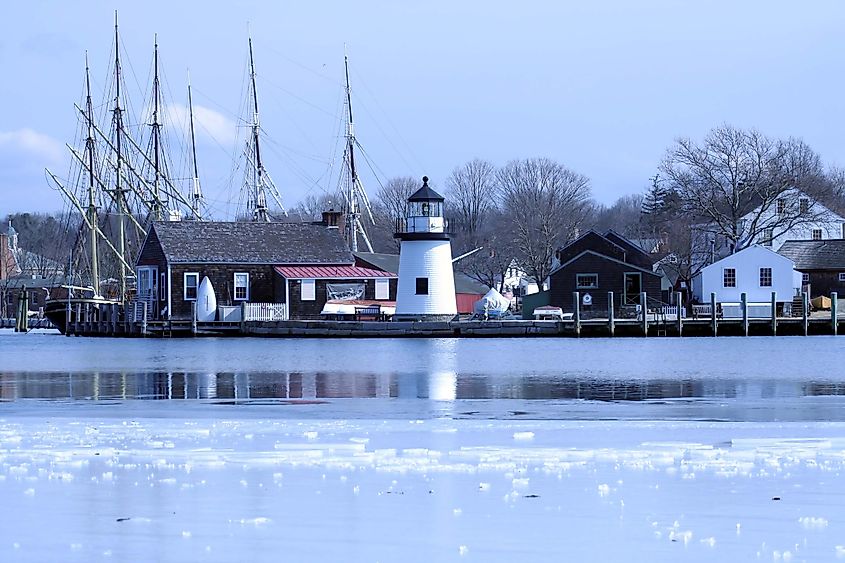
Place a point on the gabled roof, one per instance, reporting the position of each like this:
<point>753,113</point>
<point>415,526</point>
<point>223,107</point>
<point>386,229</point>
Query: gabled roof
<point>250,243</point>
<point>747,250</point>
<point>604,257</point>
<point>425,193</point>
<point>815,254</point>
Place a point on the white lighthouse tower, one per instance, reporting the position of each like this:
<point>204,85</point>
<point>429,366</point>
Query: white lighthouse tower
<point>426,289</point>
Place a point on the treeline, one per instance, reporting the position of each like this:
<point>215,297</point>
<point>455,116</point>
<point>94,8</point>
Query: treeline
<point>701,191</point>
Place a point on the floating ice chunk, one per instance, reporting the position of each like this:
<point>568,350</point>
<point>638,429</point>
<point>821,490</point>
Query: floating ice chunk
<point>840,551</point>
<point>711,541</point>
<point>186,534</point>
<point>463,550</point>
<point>310,435</point>
<point>604,489</point>
<point>523,436</point>
<point>484,486</point>
<point>75,546</point>
<point>29,492</point>
<point>457,512</point>
<point>813,523</point>
<point>356,489</point>
<point>519,483</point>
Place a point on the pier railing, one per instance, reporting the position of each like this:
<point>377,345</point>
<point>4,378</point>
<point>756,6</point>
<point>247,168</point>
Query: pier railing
<point>265,312</point>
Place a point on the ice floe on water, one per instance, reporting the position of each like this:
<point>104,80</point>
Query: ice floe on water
<point>438,489</point>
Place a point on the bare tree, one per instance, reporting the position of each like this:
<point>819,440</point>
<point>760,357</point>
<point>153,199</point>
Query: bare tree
<point>624,216</point>
<point>489,265</point>
<point>311,207</point>
<point>388,205</point>
<point>546,204</point>
<point>470,191</point>
<point>734,183</point>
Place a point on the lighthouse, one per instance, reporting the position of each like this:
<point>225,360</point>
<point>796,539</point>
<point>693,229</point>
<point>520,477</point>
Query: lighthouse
<point>426,289</point>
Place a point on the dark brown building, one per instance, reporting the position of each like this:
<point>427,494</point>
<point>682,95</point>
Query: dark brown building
<point>251,263</point>
<point>821,263</point>
<point>594,265</point>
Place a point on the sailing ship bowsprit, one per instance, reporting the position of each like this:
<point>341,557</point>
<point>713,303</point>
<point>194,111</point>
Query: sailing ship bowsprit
<point>118,189</point>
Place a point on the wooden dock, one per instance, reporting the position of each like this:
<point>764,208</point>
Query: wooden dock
<point>112,321</point>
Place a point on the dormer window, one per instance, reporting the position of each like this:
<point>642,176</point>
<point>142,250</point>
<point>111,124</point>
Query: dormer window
<point>781,206</point>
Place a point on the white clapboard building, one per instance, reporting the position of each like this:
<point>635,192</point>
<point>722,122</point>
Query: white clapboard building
<point>426,288</point>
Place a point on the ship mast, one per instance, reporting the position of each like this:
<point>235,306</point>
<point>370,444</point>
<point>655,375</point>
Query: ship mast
<point>118,188</point>
<point>157,208</point>
<point>196,193</point>
<point>259,197</point>
<point>92,200</point>
<point>355,191</point>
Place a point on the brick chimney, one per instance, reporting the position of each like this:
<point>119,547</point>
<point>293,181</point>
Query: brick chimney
<point>331,218</point>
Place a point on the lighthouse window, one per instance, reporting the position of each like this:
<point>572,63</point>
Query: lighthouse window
<point>192,280</point>
<point>425,209</point>
<point>422,286</point>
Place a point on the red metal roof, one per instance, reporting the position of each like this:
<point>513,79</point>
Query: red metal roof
<point>330,272</point>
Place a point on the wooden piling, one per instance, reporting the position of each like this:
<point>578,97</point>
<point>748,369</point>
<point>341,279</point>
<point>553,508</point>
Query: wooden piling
<point>576,299</point>
<point>144,319</point>
<point>679,300</point>
<point>774,313</point>
<point>713,320</point>
<point>834,312</point>
<point>744,300</point>
<point>194,318</point>
<point>644,308</point>
<point>806,313</point>
<point>611,322</point>
<point>243,317</point>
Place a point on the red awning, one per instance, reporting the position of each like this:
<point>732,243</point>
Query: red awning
<point>330,272</point>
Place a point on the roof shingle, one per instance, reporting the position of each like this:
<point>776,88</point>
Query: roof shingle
<point>815,254</point>
<point>251,243</point>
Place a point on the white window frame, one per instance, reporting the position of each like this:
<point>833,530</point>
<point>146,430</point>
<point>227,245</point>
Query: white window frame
<point>382,288</point>
<point>185,277</point>
<point>162,287</point>
<point>771,277</point>
<point>842,276</point>
<point>579,285</point>
<point>805,277</point>
<point>725,281</point>
<point>781,206</point>
<point>820,232</point>
<point>768,236</point>
<point>235,286</point>
<point>309,294</point>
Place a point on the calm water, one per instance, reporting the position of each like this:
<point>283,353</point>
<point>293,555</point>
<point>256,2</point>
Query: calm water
<point>695,378</point>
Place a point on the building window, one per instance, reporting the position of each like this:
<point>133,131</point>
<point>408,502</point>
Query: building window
<point>768,235</point>
<point>382,288</point>
<point>781,206</point>
<point>241,286</point>
<point>842,276</point>
<point>804,205</point>
<point>729,277</point>
<point>765,277</point>
<point>817,234</point>
<point>587,281</point>
<point>805,278</point>
<point>308,290</point>
<point>422,286</point>
<point>192,281</point>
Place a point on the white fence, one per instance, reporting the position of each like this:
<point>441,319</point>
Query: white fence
<point>265,312</point>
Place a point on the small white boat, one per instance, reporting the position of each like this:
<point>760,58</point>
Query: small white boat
<point>206,301</point>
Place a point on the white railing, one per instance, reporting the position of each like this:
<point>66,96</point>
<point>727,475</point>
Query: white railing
<point>702,310</point>
<point>265,312</point>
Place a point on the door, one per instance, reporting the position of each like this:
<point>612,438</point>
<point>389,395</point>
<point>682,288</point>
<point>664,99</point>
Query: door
<point>148,289</point>
<point>633,288</point>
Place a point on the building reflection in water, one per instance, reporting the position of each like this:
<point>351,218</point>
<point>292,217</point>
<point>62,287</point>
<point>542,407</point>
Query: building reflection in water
<point>440,381</point>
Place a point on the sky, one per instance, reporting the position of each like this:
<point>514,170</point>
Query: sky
<point>603,87</point>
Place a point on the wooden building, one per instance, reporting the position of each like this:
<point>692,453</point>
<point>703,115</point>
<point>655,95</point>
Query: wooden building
<point>248,262</point>
<point>821,263</point>
<point>594,265</point>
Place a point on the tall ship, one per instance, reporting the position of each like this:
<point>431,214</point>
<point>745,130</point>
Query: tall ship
<point>118,183</point>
